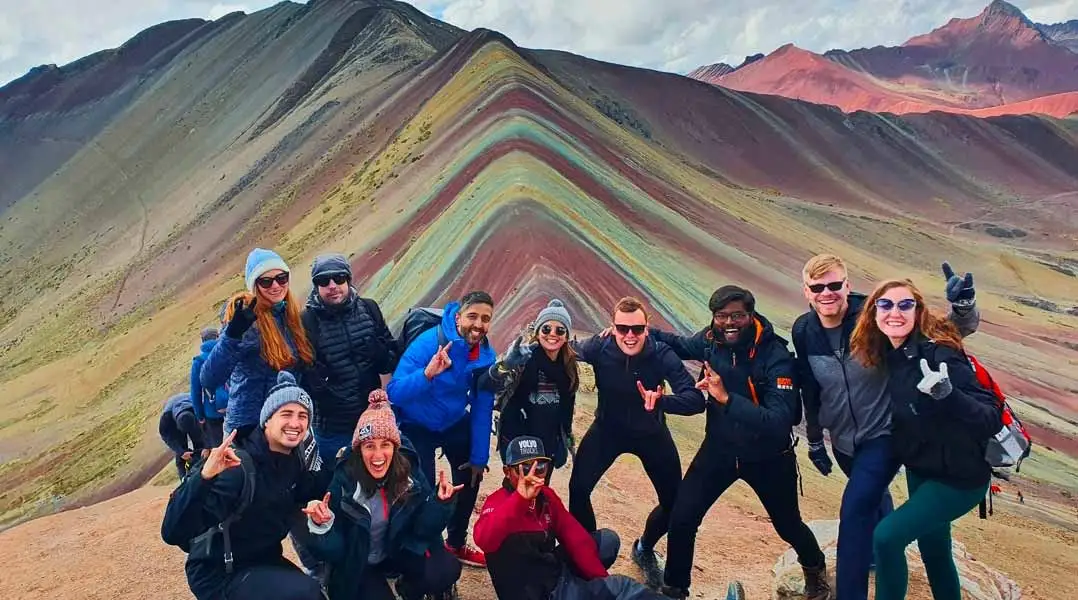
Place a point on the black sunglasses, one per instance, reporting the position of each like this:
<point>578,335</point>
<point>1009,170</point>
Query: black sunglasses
<point>540,468</point>
<point>546,329</point>
<point>267,282</point>
<point>834,286</point>
<point>625,329</point>
<point>338,278</point>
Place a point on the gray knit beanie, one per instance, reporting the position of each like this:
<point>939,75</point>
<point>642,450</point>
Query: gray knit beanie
<point>330,264</point>
<point>555,311</point>
<point>208,333</point>
<point>285,392</point>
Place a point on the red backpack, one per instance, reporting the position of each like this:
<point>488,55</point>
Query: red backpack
<point>1012,444</point>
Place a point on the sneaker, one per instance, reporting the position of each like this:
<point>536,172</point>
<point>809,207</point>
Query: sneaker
<point>468,555</point>
<point>650,563</point>
<point>735,591</point>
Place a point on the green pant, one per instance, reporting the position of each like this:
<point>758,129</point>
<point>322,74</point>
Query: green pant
<point>925,517</point>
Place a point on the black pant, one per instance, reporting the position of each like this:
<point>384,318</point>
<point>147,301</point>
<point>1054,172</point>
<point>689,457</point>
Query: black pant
<point>775,482</point>
<point>419,575</point>
<point>282,582</point>
<point>456,443</point>
<point>598,451</point>
<point>213,432</point>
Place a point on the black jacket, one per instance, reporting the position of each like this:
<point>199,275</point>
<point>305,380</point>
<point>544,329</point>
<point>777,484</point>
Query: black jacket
<point>352,346</point>
<point>529,410</point>
<point>415,525</point>
<point>757,421</point>
<point>620,405</point>
<point>943,440</point>
<point>283,486</point>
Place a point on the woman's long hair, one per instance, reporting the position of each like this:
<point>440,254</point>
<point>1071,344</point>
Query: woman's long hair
<point>397,481</point>
<point>567,357</point>
<point>275,350</point>
<point>869,345</point>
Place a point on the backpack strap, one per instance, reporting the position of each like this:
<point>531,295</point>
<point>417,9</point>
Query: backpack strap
<point>246,495</point>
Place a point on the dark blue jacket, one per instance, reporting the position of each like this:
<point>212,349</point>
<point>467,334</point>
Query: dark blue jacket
<point>757,422</point>
<point>944,440</point>
<point>239,363</point>
<point>620,406</point>
<point>212,406</point>
<point>415,525</point>
<point>283,486</point>
<point>438,404</point>
<point>175,430</point>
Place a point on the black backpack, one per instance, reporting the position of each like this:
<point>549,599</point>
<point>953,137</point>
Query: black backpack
<point>202,546</point>
<point>418,320</point>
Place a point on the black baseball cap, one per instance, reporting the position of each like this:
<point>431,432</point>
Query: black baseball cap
<point>524,448</point>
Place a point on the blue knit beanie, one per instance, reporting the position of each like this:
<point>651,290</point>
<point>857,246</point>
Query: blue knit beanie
<point>285,392</point>
<point>259,262</point>
<point>555,311</point>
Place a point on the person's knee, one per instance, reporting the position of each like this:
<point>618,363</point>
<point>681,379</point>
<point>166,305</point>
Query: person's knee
<point>887,539</point>
<point>609,545</point>
<point>441,572</point>
<point>684,520</point>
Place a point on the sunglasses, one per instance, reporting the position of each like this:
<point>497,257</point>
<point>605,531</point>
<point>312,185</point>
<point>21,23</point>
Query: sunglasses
<point>834,286</point>
<point>267,282</point>
<point>546,329</point>
<point>539,469</point>
<point>886,304</point>
<point>625,329</point>
<point>338,278</point>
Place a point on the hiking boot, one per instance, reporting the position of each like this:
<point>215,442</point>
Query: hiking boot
<point>735,591</point>
<point>468,555</point>
<point>816,586</point>
<point>674,592</point>
<point>650,563</point>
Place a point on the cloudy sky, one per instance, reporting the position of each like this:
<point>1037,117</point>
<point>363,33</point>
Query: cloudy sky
<point>671,35</point>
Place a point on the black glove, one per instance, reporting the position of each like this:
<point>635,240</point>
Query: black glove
<point>818,456</point>
<point>242,318</point>
<point>959,289</point>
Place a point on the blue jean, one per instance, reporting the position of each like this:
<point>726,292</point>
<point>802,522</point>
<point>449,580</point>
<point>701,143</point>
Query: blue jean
<point>865,502</point>
<point>328,444</point>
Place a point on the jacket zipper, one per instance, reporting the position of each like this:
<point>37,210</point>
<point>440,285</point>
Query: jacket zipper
<point>849,395</point>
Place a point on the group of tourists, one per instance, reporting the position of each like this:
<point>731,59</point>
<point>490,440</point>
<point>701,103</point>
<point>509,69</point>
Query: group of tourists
<point>318,424</point>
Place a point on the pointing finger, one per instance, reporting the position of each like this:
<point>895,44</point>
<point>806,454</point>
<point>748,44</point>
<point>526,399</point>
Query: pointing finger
<point>325,500</point>
<point>229,439</point>
<point>968,280</point>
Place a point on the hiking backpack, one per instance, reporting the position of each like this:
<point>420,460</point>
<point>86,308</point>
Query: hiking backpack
<point>1012,444</point>
<point>418,320</point>
<point>202,545</point>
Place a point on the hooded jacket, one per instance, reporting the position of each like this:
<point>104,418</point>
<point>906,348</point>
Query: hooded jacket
<point>539,401</point>
<point>757,421</point>
<point>415,524</point>
<point>439,403</point>
<point>239,363</point>
<point>944,440</point>
<point>283,486</point>
<point>352,347</point>
<point>839,394</point>
<point>620,406</point>
<point>212,405</point>
<point>521,538</point>
<point>170,429</point>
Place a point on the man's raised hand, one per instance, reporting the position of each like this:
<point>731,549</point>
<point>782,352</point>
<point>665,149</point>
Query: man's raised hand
<point>439,363</point>
<point>318,511</point>
<point>221,458</point>
<point>446,489</point>
<point>713,385</point>
<point>651,397</point>
<point>529,484</point>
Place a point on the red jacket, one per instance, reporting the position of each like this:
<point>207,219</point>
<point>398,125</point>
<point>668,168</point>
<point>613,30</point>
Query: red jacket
<point>519,538</point>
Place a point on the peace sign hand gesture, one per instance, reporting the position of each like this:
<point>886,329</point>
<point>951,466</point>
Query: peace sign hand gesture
<point>651,397</point>
<point>529,484</point>
<point>713,385</point>
<point>221,458</point>
<point>318,511</point>
<point>446,489</point>
<point>439,363</point>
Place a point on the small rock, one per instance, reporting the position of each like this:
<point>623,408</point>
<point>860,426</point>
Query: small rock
<point>979,581</point>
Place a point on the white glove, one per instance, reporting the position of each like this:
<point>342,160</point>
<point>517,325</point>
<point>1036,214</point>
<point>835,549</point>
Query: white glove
<point>935,384</point>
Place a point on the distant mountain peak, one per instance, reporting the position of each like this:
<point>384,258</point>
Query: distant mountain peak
<point>1001,8</point>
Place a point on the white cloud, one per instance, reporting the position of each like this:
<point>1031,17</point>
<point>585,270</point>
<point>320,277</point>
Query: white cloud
<point>672,35</point>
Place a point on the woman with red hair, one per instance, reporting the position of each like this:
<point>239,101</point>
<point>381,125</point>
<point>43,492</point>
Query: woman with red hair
<point>264,335</point>
<point>942,419</point>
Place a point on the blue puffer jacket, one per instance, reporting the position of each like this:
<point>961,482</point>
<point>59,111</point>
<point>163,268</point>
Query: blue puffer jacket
<point>438,404</point>
<point>239,363</point>
<point>212,406</point>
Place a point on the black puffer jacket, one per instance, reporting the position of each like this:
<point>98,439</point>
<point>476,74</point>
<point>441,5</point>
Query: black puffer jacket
<point>757,421</point>
<point>352,347</point>
<point>944,440</point>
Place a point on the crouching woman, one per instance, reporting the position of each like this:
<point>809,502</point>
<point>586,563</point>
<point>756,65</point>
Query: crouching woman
<point>380,519</point>
<point>942,419</point>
